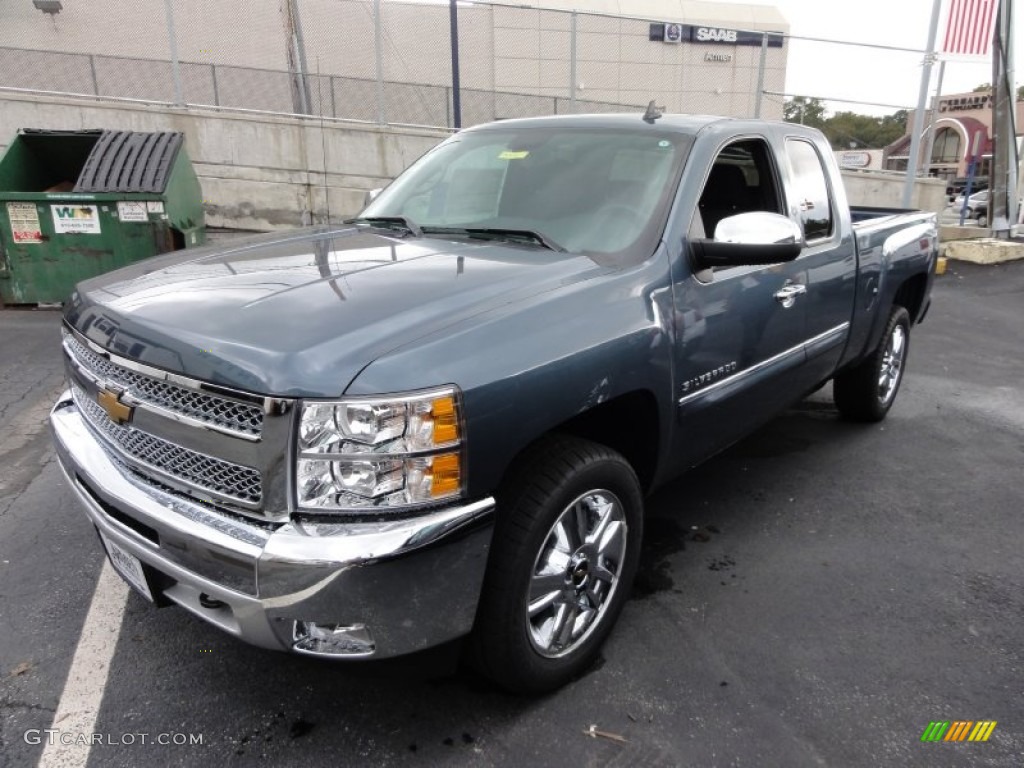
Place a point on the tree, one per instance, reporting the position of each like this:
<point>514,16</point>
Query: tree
<point>800,109</point>
<point>983,88</point>
<point>849,130</point>
<point>1020,93</point>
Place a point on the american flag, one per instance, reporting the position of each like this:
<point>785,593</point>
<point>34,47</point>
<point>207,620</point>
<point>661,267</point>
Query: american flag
<point>969,27</point>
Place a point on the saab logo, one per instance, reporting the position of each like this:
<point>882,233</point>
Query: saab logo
<point>118,412</point>
<point>958,730</point>
<point>711,34</point>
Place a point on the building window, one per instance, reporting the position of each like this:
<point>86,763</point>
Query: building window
<point>947,146</point>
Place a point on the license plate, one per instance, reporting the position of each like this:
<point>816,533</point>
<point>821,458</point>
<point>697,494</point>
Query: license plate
<point>129,566</point>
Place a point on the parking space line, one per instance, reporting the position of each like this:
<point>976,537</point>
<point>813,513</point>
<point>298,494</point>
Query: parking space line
<point>87,678</point>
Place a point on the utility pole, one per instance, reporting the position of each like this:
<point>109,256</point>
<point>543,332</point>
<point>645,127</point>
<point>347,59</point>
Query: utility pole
<point>1003,197</point>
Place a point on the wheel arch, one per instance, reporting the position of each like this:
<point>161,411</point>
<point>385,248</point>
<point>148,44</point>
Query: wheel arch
<point>911,294</point>
<point>627,424</point>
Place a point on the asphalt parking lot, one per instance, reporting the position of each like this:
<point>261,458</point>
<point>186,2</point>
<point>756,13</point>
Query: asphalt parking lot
<point>815,596</point>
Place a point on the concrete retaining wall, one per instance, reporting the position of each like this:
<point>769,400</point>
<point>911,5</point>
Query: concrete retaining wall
<point>264,172</point>
<point>885,190</point>
<point>257,171</point>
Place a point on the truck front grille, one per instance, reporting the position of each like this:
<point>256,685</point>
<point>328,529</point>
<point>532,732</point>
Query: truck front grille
<point>220,412</point>
<point>202,472</point>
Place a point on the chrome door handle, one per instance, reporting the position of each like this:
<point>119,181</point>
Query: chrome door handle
<point>786,295</point>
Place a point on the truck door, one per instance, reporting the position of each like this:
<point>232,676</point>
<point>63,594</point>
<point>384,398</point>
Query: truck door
<point>829,262</point>
<point>739,331</point>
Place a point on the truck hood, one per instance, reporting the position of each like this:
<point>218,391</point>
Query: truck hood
<point>301,314</point>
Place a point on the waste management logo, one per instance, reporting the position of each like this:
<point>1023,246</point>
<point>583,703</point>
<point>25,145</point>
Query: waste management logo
<point>958,730</point>
<point>68,219</point>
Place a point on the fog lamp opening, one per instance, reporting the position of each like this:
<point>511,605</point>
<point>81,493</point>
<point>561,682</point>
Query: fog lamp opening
<point>332,639</point>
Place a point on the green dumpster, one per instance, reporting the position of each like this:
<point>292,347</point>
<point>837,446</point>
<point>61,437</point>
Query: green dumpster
<point>74,204</point>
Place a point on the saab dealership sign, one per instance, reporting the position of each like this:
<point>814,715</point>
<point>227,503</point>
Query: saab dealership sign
<point>688,33</point>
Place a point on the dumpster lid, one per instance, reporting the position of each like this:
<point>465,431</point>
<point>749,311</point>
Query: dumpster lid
<point>127,161</point>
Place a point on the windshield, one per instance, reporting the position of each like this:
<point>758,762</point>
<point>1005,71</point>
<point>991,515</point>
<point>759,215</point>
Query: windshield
<point>582,190</point>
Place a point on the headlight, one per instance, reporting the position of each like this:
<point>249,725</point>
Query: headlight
<point>378,453</point>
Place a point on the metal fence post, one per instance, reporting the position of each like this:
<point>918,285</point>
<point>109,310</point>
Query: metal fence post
<point>930,145</point>
<point>453,15</point>
<point>922,101</point>
<point>378,44</point>
<point>760,75</point>
<point>95,80</point>
<point>572,65</point>
<point>296,55</point>
<point>172,38</point>
<point>216,90</point>
<point>300,59</point>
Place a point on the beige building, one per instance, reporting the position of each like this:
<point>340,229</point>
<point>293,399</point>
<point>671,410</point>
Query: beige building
<point>516,58</point>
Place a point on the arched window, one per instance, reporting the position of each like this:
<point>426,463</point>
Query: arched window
<point>947,146</point>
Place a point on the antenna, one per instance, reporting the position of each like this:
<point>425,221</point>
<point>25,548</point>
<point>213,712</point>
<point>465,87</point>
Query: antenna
<point>653,112</point>
<point>323,137</point>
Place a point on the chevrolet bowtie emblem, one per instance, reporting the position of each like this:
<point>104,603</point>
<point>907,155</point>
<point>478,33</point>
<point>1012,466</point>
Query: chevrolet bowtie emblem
<point>118,412</point>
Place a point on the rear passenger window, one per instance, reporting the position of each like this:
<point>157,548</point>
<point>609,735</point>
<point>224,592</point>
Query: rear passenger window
<point>809,189</point>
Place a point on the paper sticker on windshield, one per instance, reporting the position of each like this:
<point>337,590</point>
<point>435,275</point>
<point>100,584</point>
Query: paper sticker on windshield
<point>664,143</point>
<point>508,154</point>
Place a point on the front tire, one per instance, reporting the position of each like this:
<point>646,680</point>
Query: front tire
<point>866,392</point>
<point>563,558</point>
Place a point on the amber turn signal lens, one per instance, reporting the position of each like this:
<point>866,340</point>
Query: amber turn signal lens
<point>446,474</point>
<point>446,423</point>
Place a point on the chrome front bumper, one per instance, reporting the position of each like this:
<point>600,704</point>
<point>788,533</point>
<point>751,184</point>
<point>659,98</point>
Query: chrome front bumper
<point>412,583</point>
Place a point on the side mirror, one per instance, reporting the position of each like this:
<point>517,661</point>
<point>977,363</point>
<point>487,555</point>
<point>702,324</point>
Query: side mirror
<point>750,239</point>
<point>371,195</point>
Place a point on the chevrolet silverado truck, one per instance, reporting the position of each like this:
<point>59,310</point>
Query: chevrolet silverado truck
<point>442,418</point>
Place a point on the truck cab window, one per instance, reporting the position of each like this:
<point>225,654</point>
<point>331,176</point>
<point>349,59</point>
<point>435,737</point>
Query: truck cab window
<point>810,189</point>
<point>742,179</point>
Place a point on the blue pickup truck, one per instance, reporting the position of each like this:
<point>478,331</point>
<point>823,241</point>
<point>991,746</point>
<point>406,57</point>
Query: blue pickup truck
<point>442,418</point>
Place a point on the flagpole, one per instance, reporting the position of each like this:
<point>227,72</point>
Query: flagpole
<point>922,101</point>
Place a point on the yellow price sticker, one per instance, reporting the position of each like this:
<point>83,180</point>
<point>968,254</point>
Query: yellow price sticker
<point>508,154</point>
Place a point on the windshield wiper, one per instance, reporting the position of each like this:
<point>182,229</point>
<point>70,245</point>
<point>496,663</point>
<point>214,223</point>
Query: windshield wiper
<point>497,233</point>
<point>389,222</point>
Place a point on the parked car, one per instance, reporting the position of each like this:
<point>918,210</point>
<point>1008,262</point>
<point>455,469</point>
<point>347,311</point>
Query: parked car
<point>958,185</point>
<point>976,199</point>
<point>443,418</point>
<point>979,211</point>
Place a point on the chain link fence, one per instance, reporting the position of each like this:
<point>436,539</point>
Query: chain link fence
<point>390,61</point>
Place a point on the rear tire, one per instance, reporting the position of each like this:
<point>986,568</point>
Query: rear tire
<point>562,562</point>
<point>866,392</point>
